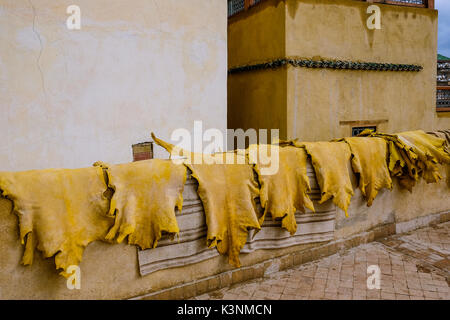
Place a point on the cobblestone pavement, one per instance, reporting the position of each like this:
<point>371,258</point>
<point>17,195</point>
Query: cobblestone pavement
<point>414,266</point>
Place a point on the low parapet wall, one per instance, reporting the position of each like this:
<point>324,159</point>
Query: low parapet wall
<point>187,268</point>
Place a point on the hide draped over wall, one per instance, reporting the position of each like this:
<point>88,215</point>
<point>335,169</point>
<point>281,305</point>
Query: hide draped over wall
<point>62,210</point>
<point>192,248</point>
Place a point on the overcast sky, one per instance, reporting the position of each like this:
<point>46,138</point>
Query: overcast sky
<point>444,27</point>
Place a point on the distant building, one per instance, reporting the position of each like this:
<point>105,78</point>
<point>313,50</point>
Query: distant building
<point>443,84</point>
<point>443,71</point>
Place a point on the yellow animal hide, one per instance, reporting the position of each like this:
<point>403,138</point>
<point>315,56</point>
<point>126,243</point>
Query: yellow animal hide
<point>330,161</point>
<point>445,135</point>
<point>286,191</point>
<point>430,152</point>
<point>60,211</point>
<point>228,193</point>
<point>144,201</point>
<point>412,155</point>
<point>369,161</point>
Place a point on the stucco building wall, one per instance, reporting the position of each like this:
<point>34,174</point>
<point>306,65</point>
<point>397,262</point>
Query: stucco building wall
<point>69,98</point>
<point>258,99</point>
<point>322,104</point>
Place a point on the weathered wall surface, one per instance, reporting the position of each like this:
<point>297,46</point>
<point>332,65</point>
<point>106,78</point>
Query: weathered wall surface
<point>320,99</point>
<point>69,98</point>
<point>322,104</point>
<point>258,34</point>
<point>112,271</point>
<point>256,99</point>
<point>396,206</point>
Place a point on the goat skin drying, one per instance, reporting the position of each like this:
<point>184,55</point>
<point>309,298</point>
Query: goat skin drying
<point>60,211</point>
<point>330,161</point>
<point>430,152</point>
<point>369,162</point>
<point>445,135</point>
<point>228,193</point>
<point>413,155</point>
<point>286,191</point>
<point>145,196</point>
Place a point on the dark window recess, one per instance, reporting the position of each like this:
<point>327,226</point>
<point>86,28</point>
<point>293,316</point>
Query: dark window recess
<point>357,130</point>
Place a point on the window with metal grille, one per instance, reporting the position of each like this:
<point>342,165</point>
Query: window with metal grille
<point>357,130</point>
<point>443,98</point>
<point>443,73</point>
<point>411,1</point>
<point>235,6</point>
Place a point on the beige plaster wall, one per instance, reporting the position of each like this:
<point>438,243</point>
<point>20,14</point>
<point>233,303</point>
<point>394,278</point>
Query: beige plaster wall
<point>258,34</point>
<point>320,100</point>
<point>255,100</point>
<point>395,206</point>
<point>69,98</point>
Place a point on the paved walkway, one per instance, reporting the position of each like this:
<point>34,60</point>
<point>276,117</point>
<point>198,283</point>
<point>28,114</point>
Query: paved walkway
<point>414,266</point>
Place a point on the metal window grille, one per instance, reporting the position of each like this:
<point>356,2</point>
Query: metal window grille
<point>357,130</point>
<point>235,6</point>
<point>443,72</point>
<point>411,1</point>
<point>443,78</point>
<point>443,98</point>
<point>445,66</point>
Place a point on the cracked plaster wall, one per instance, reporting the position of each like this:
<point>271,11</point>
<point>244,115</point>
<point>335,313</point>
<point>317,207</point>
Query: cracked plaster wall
<point>69,98</point>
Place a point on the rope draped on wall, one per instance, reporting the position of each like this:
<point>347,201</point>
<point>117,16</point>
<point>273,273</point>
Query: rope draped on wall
<point>328,64</point>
